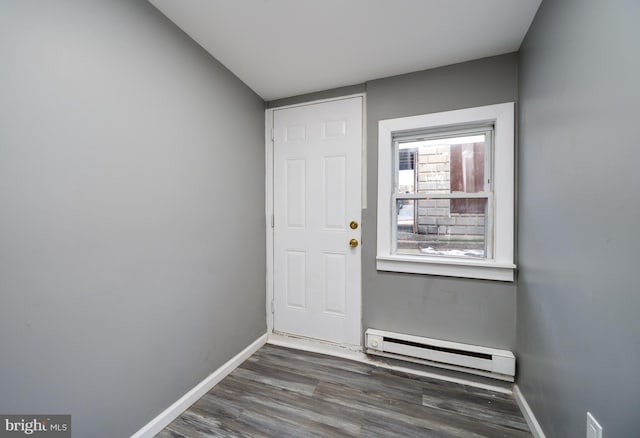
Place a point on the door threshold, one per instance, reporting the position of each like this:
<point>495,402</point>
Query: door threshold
<point>346,351</point>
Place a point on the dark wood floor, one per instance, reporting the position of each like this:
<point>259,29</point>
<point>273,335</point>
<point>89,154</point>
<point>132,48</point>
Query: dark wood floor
<point>279,392</point>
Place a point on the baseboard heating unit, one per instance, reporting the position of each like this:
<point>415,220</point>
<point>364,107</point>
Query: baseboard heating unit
<point>483,361</point>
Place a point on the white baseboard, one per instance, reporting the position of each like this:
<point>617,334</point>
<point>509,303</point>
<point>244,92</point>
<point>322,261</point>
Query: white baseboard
<point>350,353</point>
<point>172,412</point>
<point>536,430</point>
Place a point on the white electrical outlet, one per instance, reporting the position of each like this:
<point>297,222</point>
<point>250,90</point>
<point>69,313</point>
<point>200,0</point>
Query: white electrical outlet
<point>594,430</point>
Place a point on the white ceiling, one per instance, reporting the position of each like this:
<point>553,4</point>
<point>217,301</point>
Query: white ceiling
<point>283,48</point>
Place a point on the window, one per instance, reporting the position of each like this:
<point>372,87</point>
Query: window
<point>442,200</point>
<point>445,193</point>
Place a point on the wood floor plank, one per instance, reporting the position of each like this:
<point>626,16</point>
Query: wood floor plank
<point>274,379</point>
<point>484,411</point>
<point>192,424</point>
<point>263,410</point>
<point>400,413</point>
<point>333,373</point>
<point>232,419</point>
<point>168,433</point>
<point>279,392</point>
<point>295,405</point>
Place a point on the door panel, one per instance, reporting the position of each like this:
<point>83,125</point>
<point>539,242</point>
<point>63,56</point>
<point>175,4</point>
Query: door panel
<point>334,283</point>
<point>296,276</point>
<point>296,193</point>
<point>317,193</point>
<point>334,192</point>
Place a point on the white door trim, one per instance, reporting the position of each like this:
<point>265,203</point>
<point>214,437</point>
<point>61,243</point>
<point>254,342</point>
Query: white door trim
<point>268,140</point>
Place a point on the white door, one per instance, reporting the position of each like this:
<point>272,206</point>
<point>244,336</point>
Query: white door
<point>317,208</point>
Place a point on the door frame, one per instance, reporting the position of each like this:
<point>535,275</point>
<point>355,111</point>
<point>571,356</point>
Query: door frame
<point>269,171</point>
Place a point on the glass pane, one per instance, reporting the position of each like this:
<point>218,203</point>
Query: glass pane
<point>446,165</point>
<point>407,171</point>
<point>434,228</point>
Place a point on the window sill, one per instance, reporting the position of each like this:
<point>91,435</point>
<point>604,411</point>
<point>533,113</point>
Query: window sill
<point>450,267</point>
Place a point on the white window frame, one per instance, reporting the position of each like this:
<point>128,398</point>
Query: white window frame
<point>501,266</point>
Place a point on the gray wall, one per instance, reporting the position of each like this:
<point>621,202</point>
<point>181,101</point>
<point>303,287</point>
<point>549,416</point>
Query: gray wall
<point>471,311</point>
<point>578,303</point>
<point>132,227</point>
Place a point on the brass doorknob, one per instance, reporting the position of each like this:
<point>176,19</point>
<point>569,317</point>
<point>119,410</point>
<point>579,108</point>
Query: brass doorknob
<point>353,243</point>
<point>353,225</point>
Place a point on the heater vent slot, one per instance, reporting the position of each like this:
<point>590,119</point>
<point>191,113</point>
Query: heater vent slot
<point>443,349</point>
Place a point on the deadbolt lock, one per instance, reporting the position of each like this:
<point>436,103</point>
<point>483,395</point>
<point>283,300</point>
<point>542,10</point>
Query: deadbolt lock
<point>353,225</point>
<point>353,243</point>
